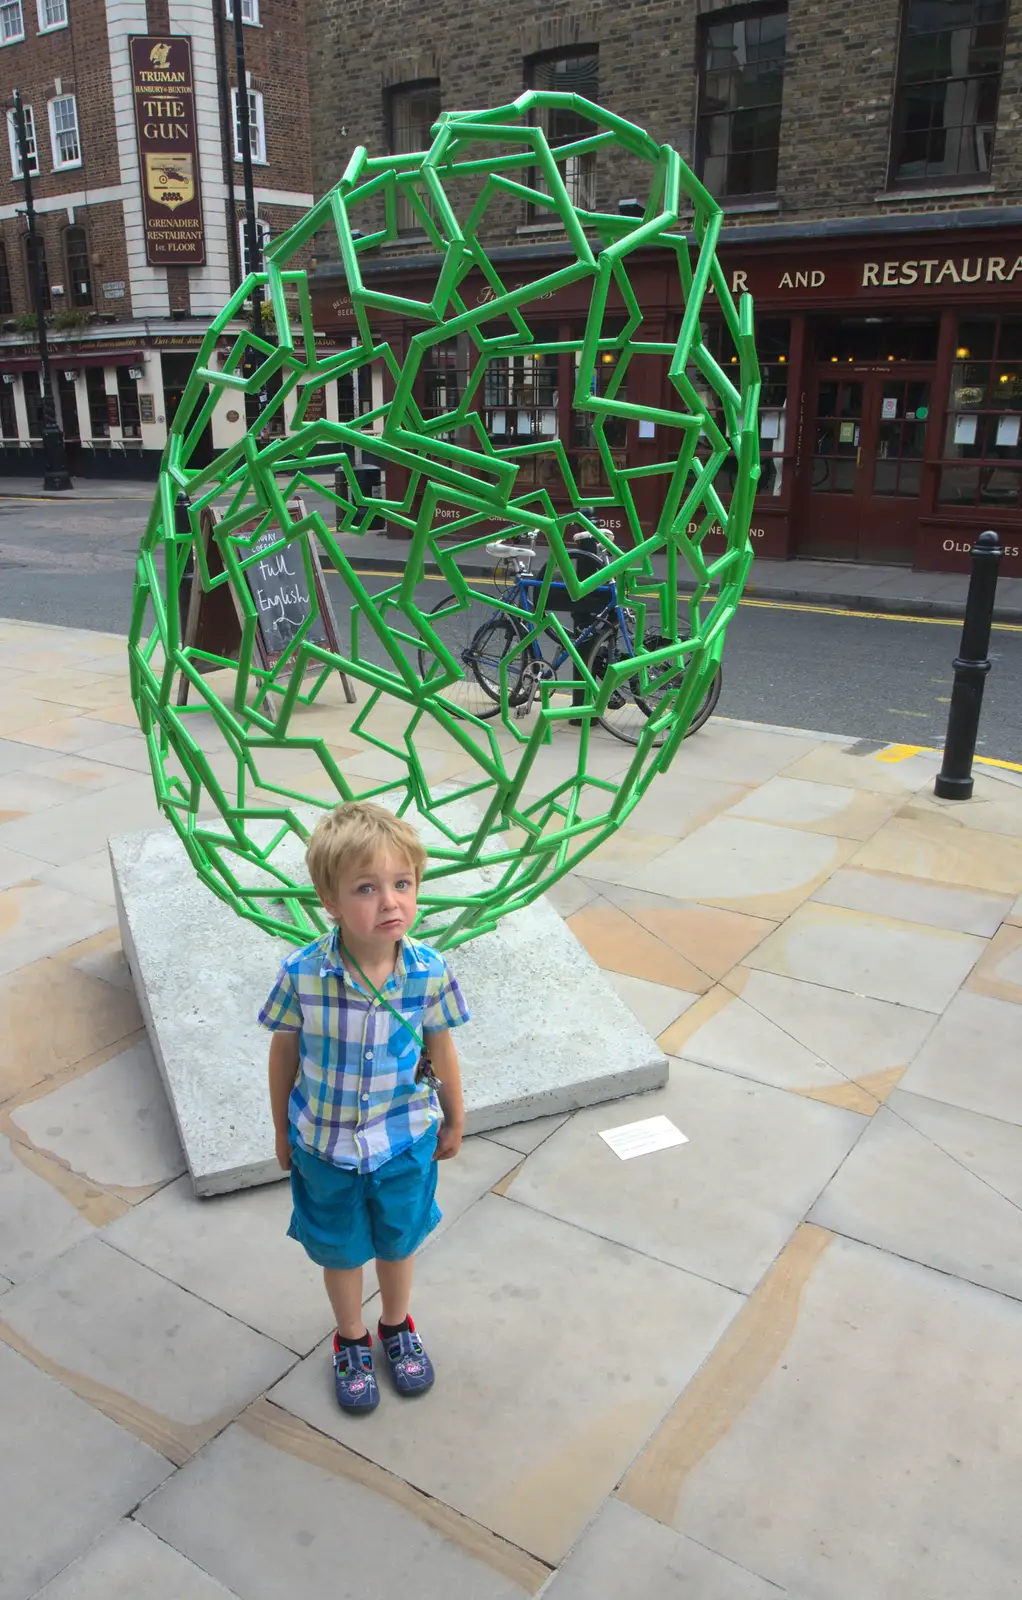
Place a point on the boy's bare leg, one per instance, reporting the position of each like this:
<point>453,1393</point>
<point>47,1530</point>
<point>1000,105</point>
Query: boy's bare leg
<point>395,1290</point>
<point>344,1290</point>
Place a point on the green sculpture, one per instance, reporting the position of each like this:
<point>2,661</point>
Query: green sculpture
<point>214,778</point>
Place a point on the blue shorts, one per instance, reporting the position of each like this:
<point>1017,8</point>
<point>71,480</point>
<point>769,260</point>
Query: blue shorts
<point>345,1218</point>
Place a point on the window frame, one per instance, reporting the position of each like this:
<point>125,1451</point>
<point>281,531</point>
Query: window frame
<point>15,38</point>
<point>265,234</point>
<point>50,27</point>
<point>73,300</point>
<point>6,291</point>
<point>60,165</point>
<point>33,154</point>
<point>581,186</point>
<point>702,153</point>
<point>407,221</point>
<point>939,180</point>
<point>249,22</point>
<point>256,124</point>
<point>47,304</point>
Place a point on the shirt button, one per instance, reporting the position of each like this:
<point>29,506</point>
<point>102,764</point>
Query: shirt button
<point>369,1055</point>
<point>365,1098</point>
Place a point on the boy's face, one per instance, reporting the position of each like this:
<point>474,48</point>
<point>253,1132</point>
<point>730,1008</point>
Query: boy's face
<point>375,904</point>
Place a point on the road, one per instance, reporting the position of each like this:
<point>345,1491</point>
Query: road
<point>805,667</point>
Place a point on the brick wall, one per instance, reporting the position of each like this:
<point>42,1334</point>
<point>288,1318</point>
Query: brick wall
<point>838,91</point>
<point>275,57</point>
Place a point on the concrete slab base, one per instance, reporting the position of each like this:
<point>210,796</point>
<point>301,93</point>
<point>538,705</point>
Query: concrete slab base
<point>548,1033</point>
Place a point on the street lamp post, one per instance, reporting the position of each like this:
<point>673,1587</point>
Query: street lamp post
<point>55,473</point>
<point>251,226</point>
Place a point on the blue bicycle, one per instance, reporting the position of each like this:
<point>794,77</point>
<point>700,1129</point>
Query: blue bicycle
<point>491,643</point>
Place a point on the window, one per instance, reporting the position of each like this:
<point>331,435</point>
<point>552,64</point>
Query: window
<point>773,346</point>
<point>76,259</point>
<point>6,300</point>
<point>12,21</point>
<point>249,11</point>
<point>412,110</point>
<point>983,433</point>
<point>33,152</point>
<point>949,74</point>
<point>263,230</point>
<point>127,393</point>
<point>52,14</point>
<point>741,82</point>
<point>67,152</point>
<point>36,249</point>
<point>256,126</point>
<point>569,74</point>
<point>8,413</point>
<point>33,391</point>
<point>99,411</point>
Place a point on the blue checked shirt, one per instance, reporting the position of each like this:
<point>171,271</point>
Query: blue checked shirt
<point>355,1101</point>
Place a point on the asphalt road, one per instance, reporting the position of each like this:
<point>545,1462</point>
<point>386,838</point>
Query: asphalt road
<point>839,672</point>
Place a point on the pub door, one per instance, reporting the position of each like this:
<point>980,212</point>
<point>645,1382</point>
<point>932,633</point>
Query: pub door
<point>868,430</point>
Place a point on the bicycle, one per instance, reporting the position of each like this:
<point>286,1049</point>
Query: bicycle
<point>494,647</point>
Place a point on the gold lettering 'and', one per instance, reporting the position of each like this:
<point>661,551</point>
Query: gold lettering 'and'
<point>168,150</point>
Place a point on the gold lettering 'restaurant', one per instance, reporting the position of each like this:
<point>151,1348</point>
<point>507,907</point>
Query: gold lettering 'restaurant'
<point>967,269</point>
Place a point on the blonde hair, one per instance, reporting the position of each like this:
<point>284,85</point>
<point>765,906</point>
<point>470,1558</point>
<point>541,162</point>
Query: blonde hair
<point>356,834</point>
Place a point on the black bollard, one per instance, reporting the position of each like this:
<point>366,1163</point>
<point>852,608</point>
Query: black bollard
<point>184,593</point>
<point>954,781</point>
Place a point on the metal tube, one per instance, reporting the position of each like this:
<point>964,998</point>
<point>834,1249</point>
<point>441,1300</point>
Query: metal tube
<point>55,473</point>
<point>955,781</point>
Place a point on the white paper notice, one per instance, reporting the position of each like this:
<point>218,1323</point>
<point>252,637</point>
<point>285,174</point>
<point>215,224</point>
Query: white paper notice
<point>647,429</point>
<point>642,1138</point>
<point>965,430</point>
<point>1007,431</point>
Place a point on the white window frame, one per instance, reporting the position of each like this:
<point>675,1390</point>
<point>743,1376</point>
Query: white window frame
<point>30,139</point>
<point>249,12</point>
<point>263,228</point>
<point>256,126</point>
<point>50,27</point>
<point>12,38</point>
<point>59,164</point>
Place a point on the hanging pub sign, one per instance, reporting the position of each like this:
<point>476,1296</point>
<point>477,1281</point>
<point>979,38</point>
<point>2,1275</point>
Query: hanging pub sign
<point>168,150</point>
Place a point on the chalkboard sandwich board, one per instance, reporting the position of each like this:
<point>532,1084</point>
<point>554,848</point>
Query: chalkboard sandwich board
<point>279,586</point>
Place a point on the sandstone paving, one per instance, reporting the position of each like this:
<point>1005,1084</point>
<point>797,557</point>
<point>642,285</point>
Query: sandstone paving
<point>998,972</point>
<point>37,1222</point>
<point>901,1191</point>
<point>56,1018</point>
<point>562,1420</point>
<point>755,1161</point>
<point>655,1004</point>
<point>973,1058</point>
<point>915,900</point>
<point>273,1507</point>
<point>38,919</point>
<point>69,1473</point>
<point>168,1366</point>
<point>526,1136</point>
<point>130,1563</point>
<point>848,813</point>
<point>926,847</point>
<point>854,1434</point>
<point>626,1553</point>
<point>880,957</point>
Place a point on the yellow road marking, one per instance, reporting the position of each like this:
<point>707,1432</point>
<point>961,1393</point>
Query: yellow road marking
<point>899,752</point>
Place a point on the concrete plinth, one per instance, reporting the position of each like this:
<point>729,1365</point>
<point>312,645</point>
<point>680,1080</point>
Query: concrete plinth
<point>548,1032</point>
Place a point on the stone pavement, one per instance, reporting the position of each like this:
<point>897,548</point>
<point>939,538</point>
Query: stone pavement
<point>781,1360</point>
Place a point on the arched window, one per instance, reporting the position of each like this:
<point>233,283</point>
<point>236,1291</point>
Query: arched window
<point>39,252</point>
<point>76,257</point>
<point>6,302</point>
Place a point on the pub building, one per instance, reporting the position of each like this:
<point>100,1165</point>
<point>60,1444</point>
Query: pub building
<point>891,410</point>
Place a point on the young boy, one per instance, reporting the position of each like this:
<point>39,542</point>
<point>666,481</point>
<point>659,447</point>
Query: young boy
<point>356,1104</point>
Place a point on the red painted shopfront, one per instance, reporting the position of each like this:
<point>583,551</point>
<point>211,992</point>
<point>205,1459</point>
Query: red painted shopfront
<point>891,417</point>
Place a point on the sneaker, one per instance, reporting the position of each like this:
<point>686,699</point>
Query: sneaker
<point>354,1379</point>
<point>410,1366</point>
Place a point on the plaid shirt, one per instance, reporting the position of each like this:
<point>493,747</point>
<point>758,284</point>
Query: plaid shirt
<point>355,1101</point>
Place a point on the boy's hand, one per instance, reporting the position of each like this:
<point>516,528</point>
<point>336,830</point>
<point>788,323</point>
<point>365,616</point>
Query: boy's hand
<point>448,1142</point>
<point>284,1151</point>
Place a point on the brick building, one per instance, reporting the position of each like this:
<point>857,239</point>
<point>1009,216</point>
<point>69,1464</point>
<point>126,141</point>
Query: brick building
<point>869,159</point>
<point>123,330</point>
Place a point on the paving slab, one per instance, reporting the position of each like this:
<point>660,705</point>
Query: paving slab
<point>994,808</point>
<point>68,1472</point>
<point>926,847</point>
<point>722,1205</point>
<point>655,1005</point>
<point>624,1553</point>
<point>858,1437</point>
<point>831,808</point>
<point>998,972</point>
<point>983,1145</point>
<point>863,767</point>
<point>273,1508</point>
<point>731,752</point>
<point>555,1444</point>
<point>57,1017</point>
<point>876,956</point>
<point>172,1368</point>
<point>233,1250</point>
<point>753,867</point>
<point>710,940</point>
<point>81,826</point>
<point>800,1036</point>
<point>516,1063</point>
<point>899,1191</point>
<point>527,1136</point>
<point>111,1124</point>
<point>89,876</point>
<point>37,919</point>
<point>908,900</point>
<point>973,1058</point>
<point>619,944</point>
<point>130,1563</point>
<point>37,1222</point>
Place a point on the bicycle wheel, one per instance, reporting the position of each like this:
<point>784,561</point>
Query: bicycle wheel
<point>709,704</point>
<point>478,639</point>
<point>633,702</point>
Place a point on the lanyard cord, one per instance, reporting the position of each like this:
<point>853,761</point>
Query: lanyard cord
<point>383,1002</point>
